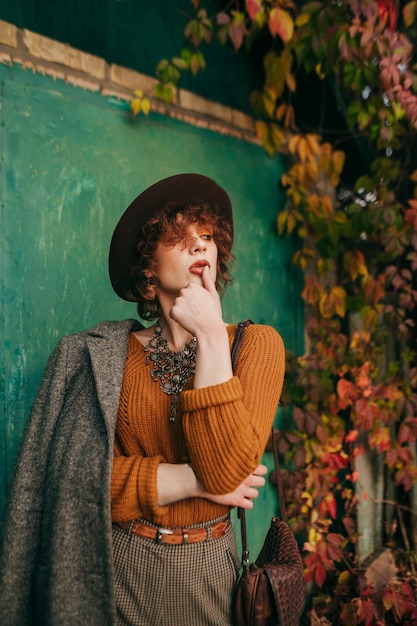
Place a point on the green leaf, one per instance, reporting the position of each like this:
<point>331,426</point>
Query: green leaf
<point>410,14</point>
<point>165,92</point>
<point>268,104</point>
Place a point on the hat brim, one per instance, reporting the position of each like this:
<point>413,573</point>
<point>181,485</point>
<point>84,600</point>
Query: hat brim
<point>191,189</point>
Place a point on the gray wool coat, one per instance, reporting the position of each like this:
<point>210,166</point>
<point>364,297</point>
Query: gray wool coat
<point>56,565</point>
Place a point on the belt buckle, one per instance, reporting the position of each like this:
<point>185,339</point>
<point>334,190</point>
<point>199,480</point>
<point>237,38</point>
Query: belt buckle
<point>162,531</point>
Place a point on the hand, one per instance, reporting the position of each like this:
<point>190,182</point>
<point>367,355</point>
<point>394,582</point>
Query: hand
<point>197,307</point>
<point>244,494</point>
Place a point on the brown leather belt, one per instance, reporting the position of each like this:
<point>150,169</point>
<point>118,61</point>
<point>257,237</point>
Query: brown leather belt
<point>177,536</point>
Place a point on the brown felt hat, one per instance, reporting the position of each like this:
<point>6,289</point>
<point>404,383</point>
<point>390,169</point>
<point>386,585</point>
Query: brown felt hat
<point>190,189</point>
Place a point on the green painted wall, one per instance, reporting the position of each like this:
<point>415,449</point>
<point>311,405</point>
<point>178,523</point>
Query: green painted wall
<point>71,161</point>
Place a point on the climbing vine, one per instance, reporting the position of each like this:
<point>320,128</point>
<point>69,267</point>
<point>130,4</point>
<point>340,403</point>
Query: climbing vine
<point>355,388</point>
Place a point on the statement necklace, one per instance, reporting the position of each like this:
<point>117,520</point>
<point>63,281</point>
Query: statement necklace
<point>172,369</point>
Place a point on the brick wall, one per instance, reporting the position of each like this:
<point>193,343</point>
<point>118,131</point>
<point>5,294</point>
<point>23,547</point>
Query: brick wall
<point>40,54</point>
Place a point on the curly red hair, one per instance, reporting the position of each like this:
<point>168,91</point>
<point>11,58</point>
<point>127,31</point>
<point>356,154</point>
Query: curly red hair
<point>169,223</point>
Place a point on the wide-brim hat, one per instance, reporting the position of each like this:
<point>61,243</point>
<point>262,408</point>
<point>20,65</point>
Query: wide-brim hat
<point>190,189</point>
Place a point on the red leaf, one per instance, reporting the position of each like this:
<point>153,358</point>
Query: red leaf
<point>223,19</point>
<point>253,7</point>
<point>237,30</point>
<point>321,575</point>
<point>350,525</point>
<point>366,611</point>
<point>332,505</point>
<point>403,434</point>
<point>298,415</point>
<point>388,12</point>
<point>299,457</point>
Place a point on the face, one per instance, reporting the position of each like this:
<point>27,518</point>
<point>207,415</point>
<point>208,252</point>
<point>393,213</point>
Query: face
<point>181,261</point>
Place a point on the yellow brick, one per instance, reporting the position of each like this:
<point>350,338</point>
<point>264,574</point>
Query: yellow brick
<point>45,48</point>
<point>56,52</point>
<point>243,121</point>
<point>192,102</point>
<point>8,34</point>
<point>124,77</point>
<point>88,63</point>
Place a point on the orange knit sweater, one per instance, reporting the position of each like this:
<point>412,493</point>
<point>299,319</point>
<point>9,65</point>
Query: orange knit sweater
<point>220,430</point>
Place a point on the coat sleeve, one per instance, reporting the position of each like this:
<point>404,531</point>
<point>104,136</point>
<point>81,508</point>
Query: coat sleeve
<point>24,504</point>
<point>227,425</point>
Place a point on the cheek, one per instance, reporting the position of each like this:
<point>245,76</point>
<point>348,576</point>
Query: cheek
<point>215,257</point>
<point>167,267</point>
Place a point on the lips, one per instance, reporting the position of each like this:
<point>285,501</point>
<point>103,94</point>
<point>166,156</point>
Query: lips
<point>198,266</point>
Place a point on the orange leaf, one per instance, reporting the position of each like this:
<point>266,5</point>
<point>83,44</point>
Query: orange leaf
<point>333,303</point>
<point>313,143</point>
<point>352,436</point>
<point>281,24</point>
<point>339,158</point>
<point>354,263</point>
<point>346,393</point>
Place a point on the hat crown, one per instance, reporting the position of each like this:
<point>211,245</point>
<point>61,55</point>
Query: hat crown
<point>188,189</point>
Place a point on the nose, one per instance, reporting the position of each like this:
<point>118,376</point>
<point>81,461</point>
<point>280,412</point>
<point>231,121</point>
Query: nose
<point>197,245</point>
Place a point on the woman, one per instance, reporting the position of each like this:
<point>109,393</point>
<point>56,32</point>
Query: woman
<point>141,440</point>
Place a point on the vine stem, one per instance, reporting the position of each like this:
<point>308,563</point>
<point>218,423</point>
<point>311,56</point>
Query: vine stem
<point>400,508</point>
<point>396,504</point>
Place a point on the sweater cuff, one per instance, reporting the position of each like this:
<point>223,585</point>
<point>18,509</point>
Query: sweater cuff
<point>147,488</point>
<point>206,397</point>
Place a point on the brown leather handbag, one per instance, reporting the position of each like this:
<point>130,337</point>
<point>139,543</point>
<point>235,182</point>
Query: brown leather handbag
<point>271,591</point>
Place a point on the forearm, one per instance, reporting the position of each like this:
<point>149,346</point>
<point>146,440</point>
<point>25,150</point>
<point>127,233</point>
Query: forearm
<point>227,425</point>
<point>213,365</point>
<point>179,482</point>
<point>175,483</point>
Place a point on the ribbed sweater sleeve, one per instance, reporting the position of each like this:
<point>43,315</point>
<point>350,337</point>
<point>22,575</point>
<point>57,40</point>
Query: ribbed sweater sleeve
<point>227,426</point>
<point>133,488</point>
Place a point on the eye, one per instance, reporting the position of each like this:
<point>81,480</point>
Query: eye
<point>207,236</point>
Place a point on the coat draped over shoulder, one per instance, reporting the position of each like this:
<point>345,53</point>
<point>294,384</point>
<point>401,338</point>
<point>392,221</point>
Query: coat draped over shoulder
<point>56,563</point>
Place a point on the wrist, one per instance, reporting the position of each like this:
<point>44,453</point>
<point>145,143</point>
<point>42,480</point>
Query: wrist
<point>212,336</point>
<point>195,489</point>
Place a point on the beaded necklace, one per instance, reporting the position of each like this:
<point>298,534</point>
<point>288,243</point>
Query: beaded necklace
<point>172,369</point>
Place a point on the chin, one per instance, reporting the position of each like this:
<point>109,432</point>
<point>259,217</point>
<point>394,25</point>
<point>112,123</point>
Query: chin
<point>195,278</point>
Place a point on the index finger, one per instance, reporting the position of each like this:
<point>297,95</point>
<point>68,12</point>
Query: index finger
<point>207,280</point>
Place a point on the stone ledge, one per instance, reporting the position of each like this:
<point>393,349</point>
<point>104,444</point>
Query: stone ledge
<point>63,54</point>
<point>61,61</point>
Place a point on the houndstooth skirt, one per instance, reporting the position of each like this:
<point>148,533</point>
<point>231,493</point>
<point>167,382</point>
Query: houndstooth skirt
<point>158,584</point>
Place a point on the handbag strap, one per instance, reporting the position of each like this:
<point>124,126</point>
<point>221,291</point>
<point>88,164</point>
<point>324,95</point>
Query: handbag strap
<point>237,344</point>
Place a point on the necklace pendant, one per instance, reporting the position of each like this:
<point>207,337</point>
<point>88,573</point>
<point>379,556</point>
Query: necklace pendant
<point>172,370</point>
<point>174,408</point>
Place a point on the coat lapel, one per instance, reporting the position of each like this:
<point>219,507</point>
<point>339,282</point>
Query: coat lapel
<point>107,344</point>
